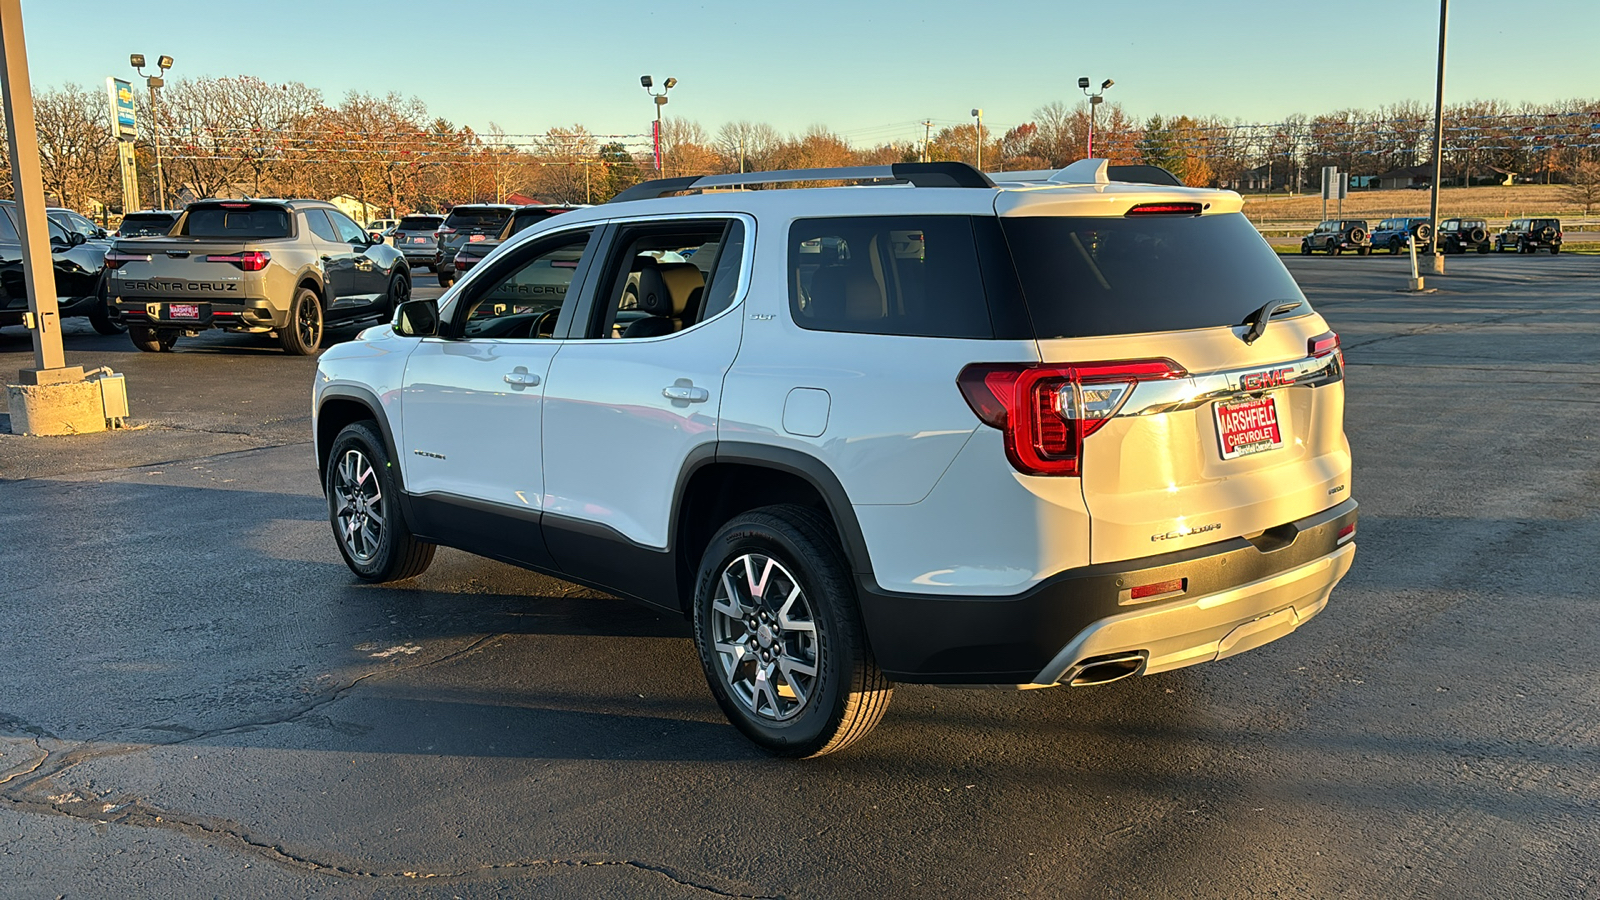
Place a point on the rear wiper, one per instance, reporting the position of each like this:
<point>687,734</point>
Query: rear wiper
<point>1258,320</point>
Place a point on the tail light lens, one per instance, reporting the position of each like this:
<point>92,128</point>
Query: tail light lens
<point>444,229</point>
<point>1323,344</point>
<point>116,258</point>
<point>1046,411</point>
<point>249,260</point>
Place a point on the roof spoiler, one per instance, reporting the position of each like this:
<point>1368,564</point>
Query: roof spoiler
<point>930,174</point>
<point>1092,171</point>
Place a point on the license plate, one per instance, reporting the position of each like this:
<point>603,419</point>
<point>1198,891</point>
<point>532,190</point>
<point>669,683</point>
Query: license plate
<point>419,240</point>
<point>475,238</point>
<point>183,311</point>
<point>1248,426</point>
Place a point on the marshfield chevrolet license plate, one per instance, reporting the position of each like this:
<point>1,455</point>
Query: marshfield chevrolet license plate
<point>1249,426</point>
<point>183,311</point>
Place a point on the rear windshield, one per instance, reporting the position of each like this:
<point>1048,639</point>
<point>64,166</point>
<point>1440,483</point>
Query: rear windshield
<point>525,217</point>
<point>419,223</point>
<point>137,225</point>
<point>236,221</point>
<point>1087,277</point>
<point>477,218</point>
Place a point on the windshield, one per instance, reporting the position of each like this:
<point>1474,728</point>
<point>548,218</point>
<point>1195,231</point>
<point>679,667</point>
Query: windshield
<point>477,218</point>
<point>236,220</point>
<point>1087,277</point>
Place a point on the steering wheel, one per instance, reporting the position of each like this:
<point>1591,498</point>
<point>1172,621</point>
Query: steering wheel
<point>546,320</point>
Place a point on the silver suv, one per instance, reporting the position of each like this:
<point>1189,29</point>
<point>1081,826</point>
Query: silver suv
<point>1059,430</point>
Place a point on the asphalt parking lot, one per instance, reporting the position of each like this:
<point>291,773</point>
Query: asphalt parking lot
<point>197,699</point>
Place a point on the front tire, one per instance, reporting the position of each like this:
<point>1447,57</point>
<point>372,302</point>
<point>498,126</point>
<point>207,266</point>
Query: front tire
<point>780,634</point>
<point>102,316</point>
<point>302,334</point>
<point>1394,246</point>
<point>1305,249</point>
<point>364,511</point>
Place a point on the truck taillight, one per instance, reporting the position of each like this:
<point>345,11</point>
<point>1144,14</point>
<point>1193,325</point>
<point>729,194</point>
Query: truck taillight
<point>1323,344</point>
<point>1047,411</point>
<point>116,258</point>
<point>444,229</point>
<point>249,260</point>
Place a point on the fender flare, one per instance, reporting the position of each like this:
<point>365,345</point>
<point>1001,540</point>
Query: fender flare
<point>369,400</point>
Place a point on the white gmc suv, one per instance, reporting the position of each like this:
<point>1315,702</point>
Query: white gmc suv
<point>1064,429</point>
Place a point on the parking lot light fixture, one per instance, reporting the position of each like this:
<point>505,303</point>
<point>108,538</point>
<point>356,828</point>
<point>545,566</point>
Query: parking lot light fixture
<point>647,82</point>
<point>978,114</point>
<point>163,63</point>
<point>1094,100</point>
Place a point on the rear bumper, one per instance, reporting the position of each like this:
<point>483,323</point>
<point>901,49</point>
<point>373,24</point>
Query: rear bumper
<point>1237,595</point>
<point>156,313</point>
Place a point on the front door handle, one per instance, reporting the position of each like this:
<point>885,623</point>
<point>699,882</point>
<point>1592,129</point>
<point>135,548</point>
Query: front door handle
<point>686,393</point>
<point>521,378</point>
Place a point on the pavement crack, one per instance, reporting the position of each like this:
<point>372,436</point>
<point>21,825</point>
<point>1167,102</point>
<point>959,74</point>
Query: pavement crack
<point>44,755</point>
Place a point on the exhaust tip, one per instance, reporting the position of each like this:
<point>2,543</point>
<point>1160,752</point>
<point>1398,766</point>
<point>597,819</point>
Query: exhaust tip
<point>1105,669</point>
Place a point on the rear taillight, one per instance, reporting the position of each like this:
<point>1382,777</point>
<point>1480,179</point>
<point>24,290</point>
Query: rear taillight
<point>444,229</point>
<point>1156,589</point>
<point>249,260</point>
<point>1323,344</point>
<point>116,258</point>
<point>1046,411</point>
<point>1345,534</point>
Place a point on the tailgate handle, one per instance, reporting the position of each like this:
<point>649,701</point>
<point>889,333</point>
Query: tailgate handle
<point>178,254</point>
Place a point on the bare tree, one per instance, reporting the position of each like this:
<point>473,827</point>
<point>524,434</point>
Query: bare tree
<point>1584,187</point>
<point>77,155</point>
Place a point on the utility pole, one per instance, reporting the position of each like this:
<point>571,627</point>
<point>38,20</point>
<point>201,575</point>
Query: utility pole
<point>741,154</point>
<point>27,185</point>
<point>1438,143</point>
<point>978,114</point>
<point>927,138</point>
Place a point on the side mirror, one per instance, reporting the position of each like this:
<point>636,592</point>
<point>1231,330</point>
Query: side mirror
<point>376,237</point>
<point>417,318</point>
<point>77,239</point>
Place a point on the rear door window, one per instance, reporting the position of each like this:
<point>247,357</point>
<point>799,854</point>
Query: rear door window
<point>1089,277</point>
<point>317,221</point>
<point>236,220</point>
<point>902,275</point>
<point>349,231</point>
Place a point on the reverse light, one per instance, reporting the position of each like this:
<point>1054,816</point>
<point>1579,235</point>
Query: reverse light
<point>249,260</point>
<point>1046,411</point>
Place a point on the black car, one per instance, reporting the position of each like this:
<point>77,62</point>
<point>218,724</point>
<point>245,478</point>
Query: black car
<point>147,222</point>
<point>416,236</point>
<point>469,223</point>
<point>1337,235</point>
<point>76,223</point>
<point>473,251</point>
<point>1530,236</point>
<point>1460,235</point>
<point>80,275</point>
<point>1393,233</point>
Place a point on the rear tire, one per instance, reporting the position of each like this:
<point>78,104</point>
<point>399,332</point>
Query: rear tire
<point>446,280</point>
<point>1554,249</point>
<point>1394,246</point>
<point>1483,248</point>
<point>301,335</point>
<point>1305,249</point>
<point>1333,248</point>
<point>1363,251</point>
<point>399,292</point>
<point>364,511</point>
<point>152,340</point>
<point>774,599</point>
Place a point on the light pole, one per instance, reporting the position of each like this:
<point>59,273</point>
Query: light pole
<point>647,82</point>
<point>1438,143</point>
<point>978,114</point>
<point>163,63</point>
<point>1094,100</point>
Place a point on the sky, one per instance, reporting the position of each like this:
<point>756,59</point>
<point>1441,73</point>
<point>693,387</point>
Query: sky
<point>870,71</point>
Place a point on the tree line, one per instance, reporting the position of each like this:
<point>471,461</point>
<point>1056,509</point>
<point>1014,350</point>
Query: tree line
<point>242,136</point>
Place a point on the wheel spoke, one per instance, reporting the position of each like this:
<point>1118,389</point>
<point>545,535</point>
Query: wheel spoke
<point>729,606</point>
<point>792,667</point>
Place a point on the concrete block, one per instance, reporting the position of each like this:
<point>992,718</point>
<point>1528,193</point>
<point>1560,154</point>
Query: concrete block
<point>46,409</point>
<point>1414,284</point>
<point>50,376</point>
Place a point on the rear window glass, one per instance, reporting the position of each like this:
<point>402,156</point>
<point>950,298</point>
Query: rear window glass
<point>526,217</point>
<point>477,218</point>
<point>1087,277</point>
<point>904,275</point>
<point>140,225</point>
<point>235,222</point>
<point>419,223</point>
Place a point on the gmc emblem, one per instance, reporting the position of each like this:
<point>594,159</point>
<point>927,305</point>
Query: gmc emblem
<point>1271,378</point>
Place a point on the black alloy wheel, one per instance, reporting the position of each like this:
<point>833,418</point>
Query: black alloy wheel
<point>302,334</point>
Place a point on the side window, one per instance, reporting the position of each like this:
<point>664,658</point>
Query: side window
<point>663,277</point>
<point>522,297</point>
<point>349,231</point>
<point>904,275</point>
<point>8,230</point>
<point>317,220</point>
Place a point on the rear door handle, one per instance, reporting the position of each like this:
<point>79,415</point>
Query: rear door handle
<point>522,379</point>
<point>687,393</point>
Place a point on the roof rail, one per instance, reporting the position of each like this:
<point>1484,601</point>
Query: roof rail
<point>1092,171</point>
<point>931,174</point>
